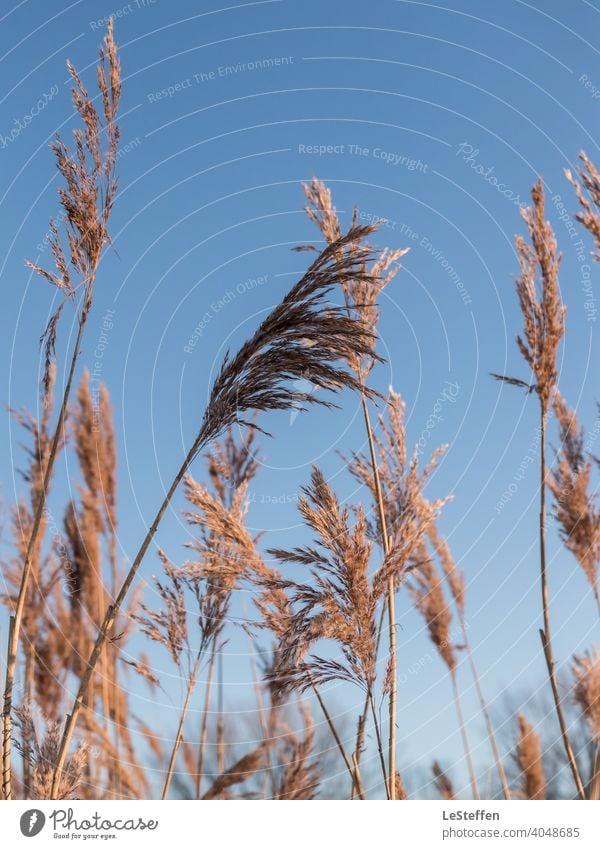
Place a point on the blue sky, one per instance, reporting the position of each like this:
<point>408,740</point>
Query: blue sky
<point>436,117</point>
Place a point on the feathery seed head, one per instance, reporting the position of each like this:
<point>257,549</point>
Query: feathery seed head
<point>586,671</point>
<point>575,506</point>
<point>588,195</point>
<point>528,756</point>
<point>540,302</point>
<point>302,342</point>
<point>360,292</point>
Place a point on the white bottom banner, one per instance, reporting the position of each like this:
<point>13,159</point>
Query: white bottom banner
<point>301,824</point>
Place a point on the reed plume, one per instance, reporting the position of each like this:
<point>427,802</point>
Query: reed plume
<point>216,572</point>
<point>528,757</point>
<point>586,672</point>
<point>400,794</point>
<point>443,783</point>
<point>169,627</point>
<point>361,293</point>
<point>88,170</point>
<point>338,605</point>
<point>210,580</point>
<point>95,446</point>
<point>586,183</point>
<point>401,516</point>
<point>231,464</point>
<point>407,515</point>
<point>540,302</point>
<point>455,579</point>
<point>543,328</point>
<point>361,297</point>
<point>65,596</point>
<point>299,772</point>
<point>426,589</point>
<point>276,616</point>
<point>575,506</point>
<point>71,612</point>
<point>90,541</point>
<point>42,754</point>
<point>300,338</point>
<point>42,574</point>
<point>244,768</point>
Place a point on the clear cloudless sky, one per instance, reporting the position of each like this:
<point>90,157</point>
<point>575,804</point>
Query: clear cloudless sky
<point>226,109</point>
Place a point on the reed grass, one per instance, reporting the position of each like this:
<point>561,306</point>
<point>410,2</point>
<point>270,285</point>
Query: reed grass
<point>299,339</point>
<point>455,579</point>
<point>528,756</point>
<point>323,605</point>
<point>543,314</point>
<point>87,199</point>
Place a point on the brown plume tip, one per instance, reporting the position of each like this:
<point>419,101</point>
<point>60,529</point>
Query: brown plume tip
<point>303,342</point>
<point>529,760</point>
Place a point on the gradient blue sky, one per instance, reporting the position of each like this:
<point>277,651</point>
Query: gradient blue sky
<point>210,199</point>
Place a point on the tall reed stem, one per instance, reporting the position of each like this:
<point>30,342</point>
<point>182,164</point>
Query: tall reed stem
<point>379,746</point>
<point>545,633</point>
<point>17,618</point>
<point>486,715</point>
<point>29,671</point>
<point>255,379</point>
<point>362,721</point>
<point>204,730</point>
<point>355,778</point>
<point>179,736</point>
<point>464,735</point>
<point>220,722</point>
<point>391,605</point>
<point>264,725</point>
